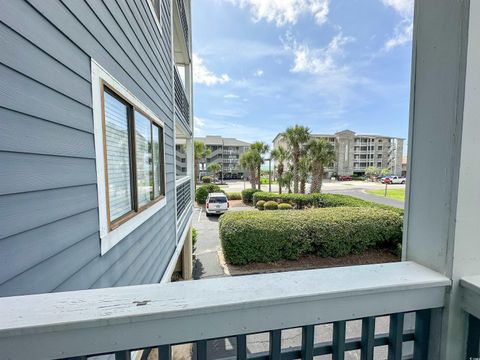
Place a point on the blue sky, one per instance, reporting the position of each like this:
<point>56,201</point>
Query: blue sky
<point>262,65</point>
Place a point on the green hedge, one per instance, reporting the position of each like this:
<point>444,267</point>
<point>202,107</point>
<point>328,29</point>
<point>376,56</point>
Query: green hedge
<point>300,201</point>
<point>206,179</point>
<point>271,205</point>
<point>247,196</point>
<point>267,236</point>
<point>285,206</point>
<point>260,205</point>
<point>234,196</point>
<point>202,192</point>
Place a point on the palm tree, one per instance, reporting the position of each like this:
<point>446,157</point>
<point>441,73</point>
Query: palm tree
<point>295,137</point>
<point>304,169</point>
<point>280,155</point>
<point>200,152</point>
<point>248,161</point>
<point>286,180</point>
<point>322,154</point>
<point>214,168</point>
<point>261,148</point>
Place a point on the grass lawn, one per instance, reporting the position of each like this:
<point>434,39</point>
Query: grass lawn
<point>396,194</point>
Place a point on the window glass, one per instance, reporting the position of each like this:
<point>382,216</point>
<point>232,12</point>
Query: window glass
<point>181,158</point>
<point>144,161</point>
<point>118,156</point>
<point>157,161</point>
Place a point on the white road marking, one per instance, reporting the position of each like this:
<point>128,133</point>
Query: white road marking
<point>200,214</point>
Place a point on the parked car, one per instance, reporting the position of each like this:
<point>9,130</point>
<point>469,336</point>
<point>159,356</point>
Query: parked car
<point>344,178</point>
<point>393,180</point>
<point>217,203</point>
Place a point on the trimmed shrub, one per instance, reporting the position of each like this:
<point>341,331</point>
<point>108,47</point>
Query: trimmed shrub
<point>247,196</point>
<point>284,206</point>
<point>300,201</point>
<point>271,205</point>
<point>260,205</point>
<point>202,192</point>
<point>206,179</point>
<point>266,236</point>
<point>234,196</point>
<point>194,236</point>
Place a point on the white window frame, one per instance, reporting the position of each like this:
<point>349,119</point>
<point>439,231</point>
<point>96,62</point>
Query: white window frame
<point>158,20</point>
<point>108,239</point>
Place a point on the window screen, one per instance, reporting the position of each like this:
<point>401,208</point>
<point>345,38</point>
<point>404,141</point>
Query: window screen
<point>118,156</point>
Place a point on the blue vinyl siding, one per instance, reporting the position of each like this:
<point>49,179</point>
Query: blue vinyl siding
<point>49,239</point>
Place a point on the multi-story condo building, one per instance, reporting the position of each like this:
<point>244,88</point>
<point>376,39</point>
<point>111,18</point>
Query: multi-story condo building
<point>356,152</point>
<point>98,95</point>
<point>225,151</point>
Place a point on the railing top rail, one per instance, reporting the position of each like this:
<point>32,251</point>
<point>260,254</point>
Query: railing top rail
<point>471,294</point>
<point>133,317</point>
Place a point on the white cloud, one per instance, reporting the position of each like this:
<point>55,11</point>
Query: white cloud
<point>231,96</point>
<point>258,73</point>
<point>404,29</point>
<point>319,61</point>
<point>283,12</point>
<point>201,75</point>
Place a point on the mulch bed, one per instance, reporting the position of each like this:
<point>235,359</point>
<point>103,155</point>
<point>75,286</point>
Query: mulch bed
<point>372,256</point>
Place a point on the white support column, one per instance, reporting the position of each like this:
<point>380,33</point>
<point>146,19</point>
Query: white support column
<point>443,195</point>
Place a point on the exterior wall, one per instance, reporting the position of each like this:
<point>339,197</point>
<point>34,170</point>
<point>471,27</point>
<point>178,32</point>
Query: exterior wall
<point>49,231</point>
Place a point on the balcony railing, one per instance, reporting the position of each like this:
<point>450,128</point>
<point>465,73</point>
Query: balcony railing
<point>471,305</point>
<point>184,195</point>
<point>181,101</point>
<point>183,21</point>
<point>119,320</point>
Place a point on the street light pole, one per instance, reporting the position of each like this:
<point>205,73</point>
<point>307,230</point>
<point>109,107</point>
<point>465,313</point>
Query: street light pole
<point>270,175</point>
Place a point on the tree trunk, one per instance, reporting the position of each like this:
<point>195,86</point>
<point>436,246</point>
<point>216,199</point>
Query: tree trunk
<point>296,160</point>
<point>320,178</point>
<point>259,169</point>
<point>252,178</point>
<point>315,188</point>
<point>280,173</point>
<point>197,170</point>
<point>302,185</point>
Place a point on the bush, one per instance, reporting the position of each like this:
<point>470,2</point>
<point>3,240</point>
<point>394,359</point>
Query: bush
<point>260,205</point>
<point>271,205</point>
<point>284,206</point>
<point>206,179</point>
<point>202,192</point>
<point>254,236</point>
<point>247,196</point>
<point>300,201</point>
<point>234,196</point>
<point>194,236</point>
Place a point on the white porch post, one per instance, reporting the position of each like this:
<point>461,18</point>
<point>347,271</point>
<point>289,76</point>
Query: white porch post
<point>442,224</point>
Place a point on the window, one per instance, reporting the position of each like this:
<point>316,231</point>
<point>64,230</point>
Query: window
<point>380,148</point>
<point>133,159</point>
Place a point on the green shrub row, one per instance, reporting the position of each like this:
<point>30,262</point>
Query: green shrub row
<point>202,192</point>
<point>206,179</point>
<point>247,196</point>
<point>234,195</point>
<point>300,201</point>
<point>271,205</point>
<point>267,236</point>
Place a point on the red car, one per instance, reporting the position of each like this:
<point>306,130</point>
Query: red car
<point>344,178</point>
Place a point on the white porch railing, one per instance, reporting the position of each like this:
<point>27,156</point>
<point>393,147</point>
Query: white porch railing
<point>123,319</point>
<point>471,304</point>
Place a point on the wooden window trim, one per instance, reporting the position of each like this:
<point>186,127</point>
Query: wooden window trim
<point>105,87</point>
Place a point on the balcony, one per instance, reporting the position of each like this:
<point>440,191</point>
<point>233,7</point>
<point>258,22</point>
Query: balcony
<point>182,107</point>
<point>125,319</point>
<point>181,32</point>
<point>183,195</point>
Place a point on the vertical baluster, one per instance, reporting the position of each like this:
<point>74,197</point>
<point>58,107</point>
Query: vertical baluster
<point>368,338</point>
<point>202,350</point>
<point>422,334</point>
<point>395,337</point>
<point>146,353</point>
<point>308,333</point>
<point>123,355</point>
<point>242,347</point>
<point>164,352</point>
<point>275,344</point>
<point>338,344</point>
<point>473,340</point>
